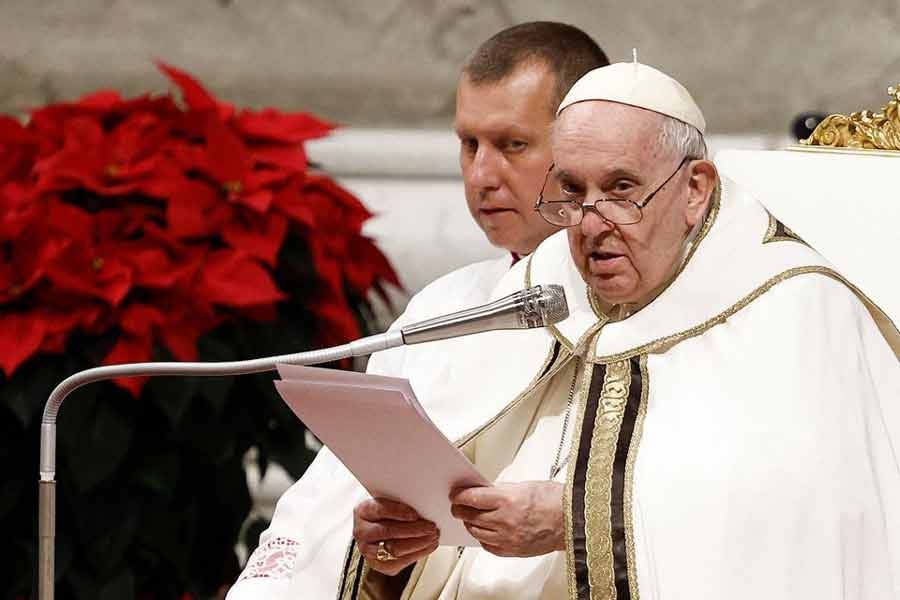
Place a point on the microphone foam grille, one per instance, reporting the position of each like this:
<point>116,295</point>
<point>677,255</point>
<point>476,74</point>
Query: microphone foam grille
<point>554,307</point>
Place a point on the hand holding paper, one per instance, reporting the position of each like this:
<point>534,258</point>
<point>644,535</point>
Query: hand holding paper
<point>514,519</point>
<point>400,530</point>
<point>377,428</point>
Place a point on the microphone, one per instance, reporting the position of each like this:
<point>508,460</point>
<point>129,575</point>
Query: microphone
<point>536,306</point>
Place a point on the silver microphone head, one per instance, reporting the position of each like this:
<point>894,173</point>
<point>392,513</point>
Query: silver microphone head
<point>553,304</point>
<point>543,305</point>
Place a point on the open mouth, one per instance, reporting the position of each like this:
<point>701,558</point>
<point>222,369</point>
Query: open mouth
<point>604,256</point>
<point>605,264</point>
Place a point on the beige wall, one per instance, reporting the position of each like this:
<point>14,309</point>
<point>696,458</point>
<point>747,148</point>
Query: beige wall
<point>753,64</point>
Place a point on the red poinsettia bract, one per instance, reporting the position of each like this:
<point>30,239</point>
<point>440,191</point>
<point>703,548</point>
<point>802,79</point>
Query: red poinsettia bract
<point>158,221</point>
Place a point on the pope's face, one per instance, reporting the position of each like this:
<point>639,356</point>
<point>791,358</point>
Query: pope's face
<point>504,133</point>
<point>609,150</point>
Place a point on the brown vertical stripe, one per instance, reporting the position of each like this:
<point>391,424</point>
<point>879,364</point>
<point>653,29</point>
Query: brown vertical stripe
<point>579,536</point>
<point>358,578</point>
<point>617,505</point>
<point>343,584</point>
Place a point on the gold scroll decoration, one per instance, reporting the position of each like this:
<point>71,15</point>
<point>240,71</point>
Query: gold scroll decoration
<point>862,130</point>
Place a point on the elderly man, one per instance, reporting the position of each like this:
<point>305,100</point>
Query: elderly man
<point>717,418</point>
<point>505,104</point>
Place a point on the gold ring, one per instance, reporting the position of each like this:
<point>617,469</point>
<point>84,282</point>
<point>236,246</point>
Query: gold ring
<point>383,554</point>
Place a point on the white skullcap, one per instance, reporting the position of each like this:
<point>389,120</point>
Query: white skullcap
<point>637,85</point>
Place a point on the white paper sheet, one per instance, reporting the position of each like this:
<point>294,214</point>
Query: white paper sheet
<point>378,429</point>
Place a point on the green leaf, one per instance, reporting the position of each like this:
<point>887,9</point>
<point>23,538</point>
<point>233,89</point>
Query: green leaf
<point>172,395</point>
<point>95,434</point>
<point>215,392</point>
<point>27,392</point>
<point>65,555</point>
<point>217,346</point>
<point>118,588</point>
<point>165,539</point>
<point>213,439</point>
<point>17,569</point>
<point>106,523</point>
<point>14,395</point>
<point>159,473</point>
<point>11,491</point>
<point>83,586</point>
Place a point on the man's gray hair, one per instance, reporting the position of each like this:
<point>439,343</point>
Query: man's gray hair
<point>681,139</point>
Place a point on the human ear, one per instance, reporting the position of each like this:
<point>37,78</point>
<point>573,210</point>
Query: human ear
<point>703,177</point>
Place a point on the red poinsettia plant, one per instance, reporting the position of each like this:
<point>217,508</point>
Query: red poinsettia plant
<point>160,221</point>
<point>161,228</point>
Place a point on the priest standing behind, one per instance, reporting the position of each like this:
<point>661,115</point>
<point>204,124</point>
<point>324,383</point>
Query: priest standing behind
<point>717,418</point>
<point>506,101</point>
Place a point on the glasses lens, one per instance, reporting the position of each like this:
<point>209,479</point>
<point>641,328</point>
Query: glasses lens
<point>564,214</point>
<point>566,209</point>
<point>558,208</point>
<point>621,212</point>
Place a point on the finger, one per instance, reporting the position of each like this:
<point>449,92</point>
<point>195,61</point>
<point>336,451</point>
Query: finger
<point>466,513</point>
<point>366,531</point>
<point>482,498</point>
<point>405,547</point>
<point>497,550</point>
<point>484,536</point>
<point>419,555</point>
<point>392,567</point>
<point>379,509</point>
<point>388,567</point>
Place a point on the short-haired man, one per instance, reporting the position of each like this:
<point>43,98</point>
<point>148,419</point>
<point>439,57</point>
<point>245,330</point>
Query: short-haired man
<point>718,416</point>
<point>505,105</point>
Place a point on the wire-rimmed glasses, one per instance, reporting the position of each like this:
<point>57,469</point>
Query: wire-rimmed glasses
<point>566,210</point>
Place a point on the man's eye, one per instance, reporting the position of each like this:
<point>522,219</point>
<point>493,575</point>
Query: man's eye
<point>469,144</point>
<point>622,187</point>
<point>516,145</point>
<point>570,190</point>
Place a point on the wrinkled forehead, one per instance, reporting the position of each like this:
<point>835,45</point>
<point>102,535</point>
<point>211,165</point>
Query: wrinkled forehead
<point>600,132</point>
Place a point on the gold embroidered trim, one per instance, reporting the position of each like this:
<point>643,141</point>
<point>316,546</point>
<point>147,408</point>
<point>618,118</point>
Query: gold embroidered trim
<point>563,340</point>
<point>675,338</point>
<point>584,389</point>
<point>707,225</point>
<point>598,490</point>
<point>885,325</point>
<point>629,481</point>
<point>556,333</point>
<point>560,363</point>
<point>779,232</point>
<point>346,570</point>
<point>346,593</point>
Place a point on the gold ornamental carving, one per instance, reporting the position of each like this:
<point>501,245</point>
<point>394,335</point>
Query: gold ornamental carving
<point>863,130</point>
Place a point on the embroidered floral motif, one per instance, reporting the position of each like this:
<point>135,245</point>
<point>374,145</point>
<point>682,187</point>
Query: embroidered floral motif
<point>273,559</point>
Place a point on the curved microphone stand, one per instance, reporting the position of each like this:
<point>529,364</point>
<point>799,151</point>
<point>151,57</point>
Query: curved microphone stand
<point>47,484</point>
<point>532,307</point>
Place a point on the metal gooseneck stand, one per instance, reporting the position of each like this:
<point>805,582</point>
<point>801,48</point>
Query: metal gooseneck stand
<point>533,307</point>
<point>47,484</point>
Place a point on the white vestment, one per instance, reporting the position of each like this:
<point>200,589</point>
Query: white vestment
<point>308,535</point>
<point>736,438</point>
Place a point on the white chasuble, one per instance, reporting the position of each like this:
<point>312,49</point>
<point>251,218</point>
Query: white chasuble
<point>301,554</point>
<point>737,437</point>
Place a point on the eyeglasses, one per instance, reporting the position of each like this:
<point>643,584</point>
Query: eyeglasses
<point>562,212</point>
